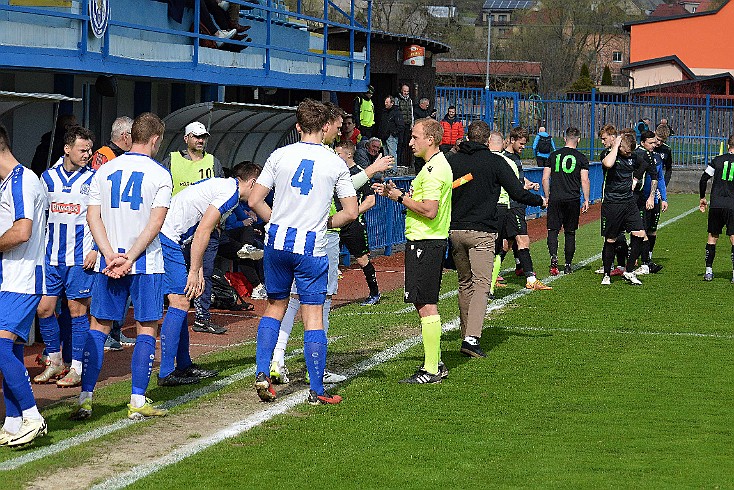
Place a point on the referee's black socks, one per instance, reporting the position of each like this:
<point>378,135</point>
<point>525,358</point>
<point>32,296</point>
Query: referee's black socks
<point>371,276</point>
<point>635,250</point>
<point>607,256</point>
<point>711,254</point>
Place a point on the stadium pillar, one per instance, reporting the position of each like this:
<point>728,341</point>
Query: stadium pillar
<point>593,124</point>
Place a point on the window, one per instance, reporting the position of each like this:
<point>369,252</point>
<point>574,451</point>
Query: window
<point>502,18</point>
<point>617,56</point>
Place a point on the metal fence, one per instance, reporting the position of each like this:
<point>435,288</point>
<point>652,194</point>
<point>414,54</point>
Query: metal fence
<point>700,124</point>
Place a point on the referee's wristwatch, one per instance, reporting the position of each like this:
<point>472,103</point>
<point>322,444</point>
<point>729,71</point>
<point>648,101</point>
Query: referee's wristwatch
<point>399,199</point>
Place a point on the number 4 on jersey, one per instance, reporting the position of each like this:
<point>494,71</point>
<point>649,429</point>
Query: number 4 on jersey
<point>302,178</point>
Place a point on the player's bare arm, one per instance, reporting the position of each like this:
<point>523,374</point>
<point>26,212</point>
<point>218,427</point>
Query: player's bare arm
<point>608,161</point>
<point>195,282</point>
<point>348,213</point>
<point>19,232</point>
<point>257,203</point>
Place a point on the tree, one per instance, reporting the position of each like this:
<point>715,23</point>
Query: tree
<point>606,78</point>
<point>583,83</point>
<point>563,38</point>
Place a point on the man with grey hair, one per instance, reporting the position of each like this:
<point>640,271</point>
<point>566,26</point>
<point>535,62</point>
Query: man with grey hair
<point>367,152</point>
<point>120,142</point>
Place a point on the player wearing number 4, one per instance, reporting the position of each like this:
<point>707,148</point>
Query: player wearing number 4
<point>305,176</point>
<point>128,202</point>
<point>566,170</point>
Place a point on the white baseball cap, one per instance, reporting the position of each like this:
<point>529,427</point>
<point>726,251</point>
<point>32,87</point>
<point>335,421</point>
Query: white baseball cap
<point>196,128</point>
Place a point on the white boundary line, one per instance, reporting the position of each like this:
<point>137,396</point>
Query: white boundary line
<point>245,425</point>
<point>142,471</point>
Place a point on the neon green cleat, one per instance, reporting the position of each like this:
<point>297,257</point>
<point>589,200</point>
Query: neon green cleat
<point>279,374</point>
<point>147,410</point>
<point>83,410</point>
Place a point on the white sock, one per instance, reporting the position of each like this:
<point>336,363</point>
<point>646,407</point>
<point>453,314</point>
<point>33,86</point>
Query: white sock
<point>709,270</point>
<point>286,325</point>
<point>471,340</point>
<point>137,401</point>
<point>32,413</point>
<point>55,358</point>
<point>279,355</point>
<point>77,366</point>
<point>84,396</point>
<point>327,309</point>
<point>530,279</point>
<point>12,424</point>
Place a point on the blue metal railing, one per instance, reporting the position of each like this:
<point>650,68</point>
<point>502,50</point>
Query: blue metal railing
<point>272,12</point>
<point>701,124</point>
<point>386,220</point>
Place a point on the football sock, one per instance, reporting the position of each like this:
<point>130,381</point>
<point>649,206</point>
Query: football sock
<point>495,272</point>
<point>93,357</point>
<point>267,336</point>
<point>607,257</point>
<point>77,366</point>
<point>65,331</point>
<point>12,406</point>
<point>371,276</point>
<point>141,364</point>
<point>635,249</point>
<point>732,256</point>
<point>314,353</point>
<point>710,254</point>
<point>49,327</point>
<point>183,356</point>
<point>286,326</point>
<point>55,358</point>
<point>32,413</point>
<point>652,239</point>
<point>526,262</point>
<point>170,339</point>
<point>79,331</point>
<point>645,254</point>
<point>12,424</point>
<point>325,312</point>
<point>279,356</point>
<point>553,242</point>
<point>137,401</point>
<point>621,249</point>
<point>431,332</point>
<point>569,246</point>
<point>15,375</point>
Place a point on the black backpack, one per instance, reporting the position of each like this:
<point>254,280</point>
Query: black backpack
<point>224,296</point>
<point>544,145</point>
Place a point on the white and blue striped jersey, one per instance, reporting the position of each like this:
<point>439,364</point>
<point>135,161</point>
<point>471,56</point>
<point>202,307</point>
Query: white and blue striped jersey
<point>68,239</point>
<point>305,177</point>
<point>189,205</point>
<point>127,189</point>
<point>22,196</point>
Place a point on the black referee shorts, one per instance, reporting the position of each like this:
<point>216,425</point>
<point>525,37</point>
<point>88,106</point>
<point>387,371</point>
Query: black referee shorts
<point>354,237</point>
<point>718,217</point>
<point>617,217</point>
<point>564,213</point>
<point>423,270</point>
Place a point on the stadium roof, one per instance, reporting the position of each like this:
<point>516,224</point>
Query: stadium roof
<point>237,131</point>
<point>12,100</point>
<point>507,4</point>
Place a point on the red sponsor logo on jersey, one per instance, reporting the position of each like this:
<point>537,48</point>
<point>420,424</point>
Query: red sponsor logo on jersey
<point>62,207</point>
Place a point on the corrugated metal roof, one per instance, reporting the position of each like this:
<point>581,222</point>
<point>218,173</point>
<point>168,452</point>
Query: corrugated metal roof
<point>237,131</point>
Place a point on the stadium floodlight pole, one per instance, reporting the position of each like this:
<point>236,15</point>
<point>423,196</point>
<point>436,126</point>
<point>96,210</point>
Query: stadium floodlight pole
<point>489,39</point>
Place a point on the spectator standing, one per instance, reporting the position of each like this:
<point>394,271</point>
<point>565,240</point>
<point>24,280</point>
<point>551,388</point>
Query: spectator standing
<point>543,145</point>
<point>642,126</point>
<point>366,153</point>
<point>405,103</point>
<point>453,129</point>
<point>364,113</point>
<point>391,128</point>
<point>188,166</point>
<point>422,110</point>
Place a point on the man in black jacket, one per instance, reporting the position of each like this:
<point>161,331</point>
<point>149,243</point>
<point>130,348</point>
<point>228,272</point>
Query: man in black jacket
<point>479,175</point>
<point>391,128</point>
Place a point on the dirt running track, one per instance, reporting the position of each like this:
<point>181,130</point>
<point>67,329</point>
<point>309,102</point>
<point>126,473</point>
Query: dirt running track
<point>243,325</point>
